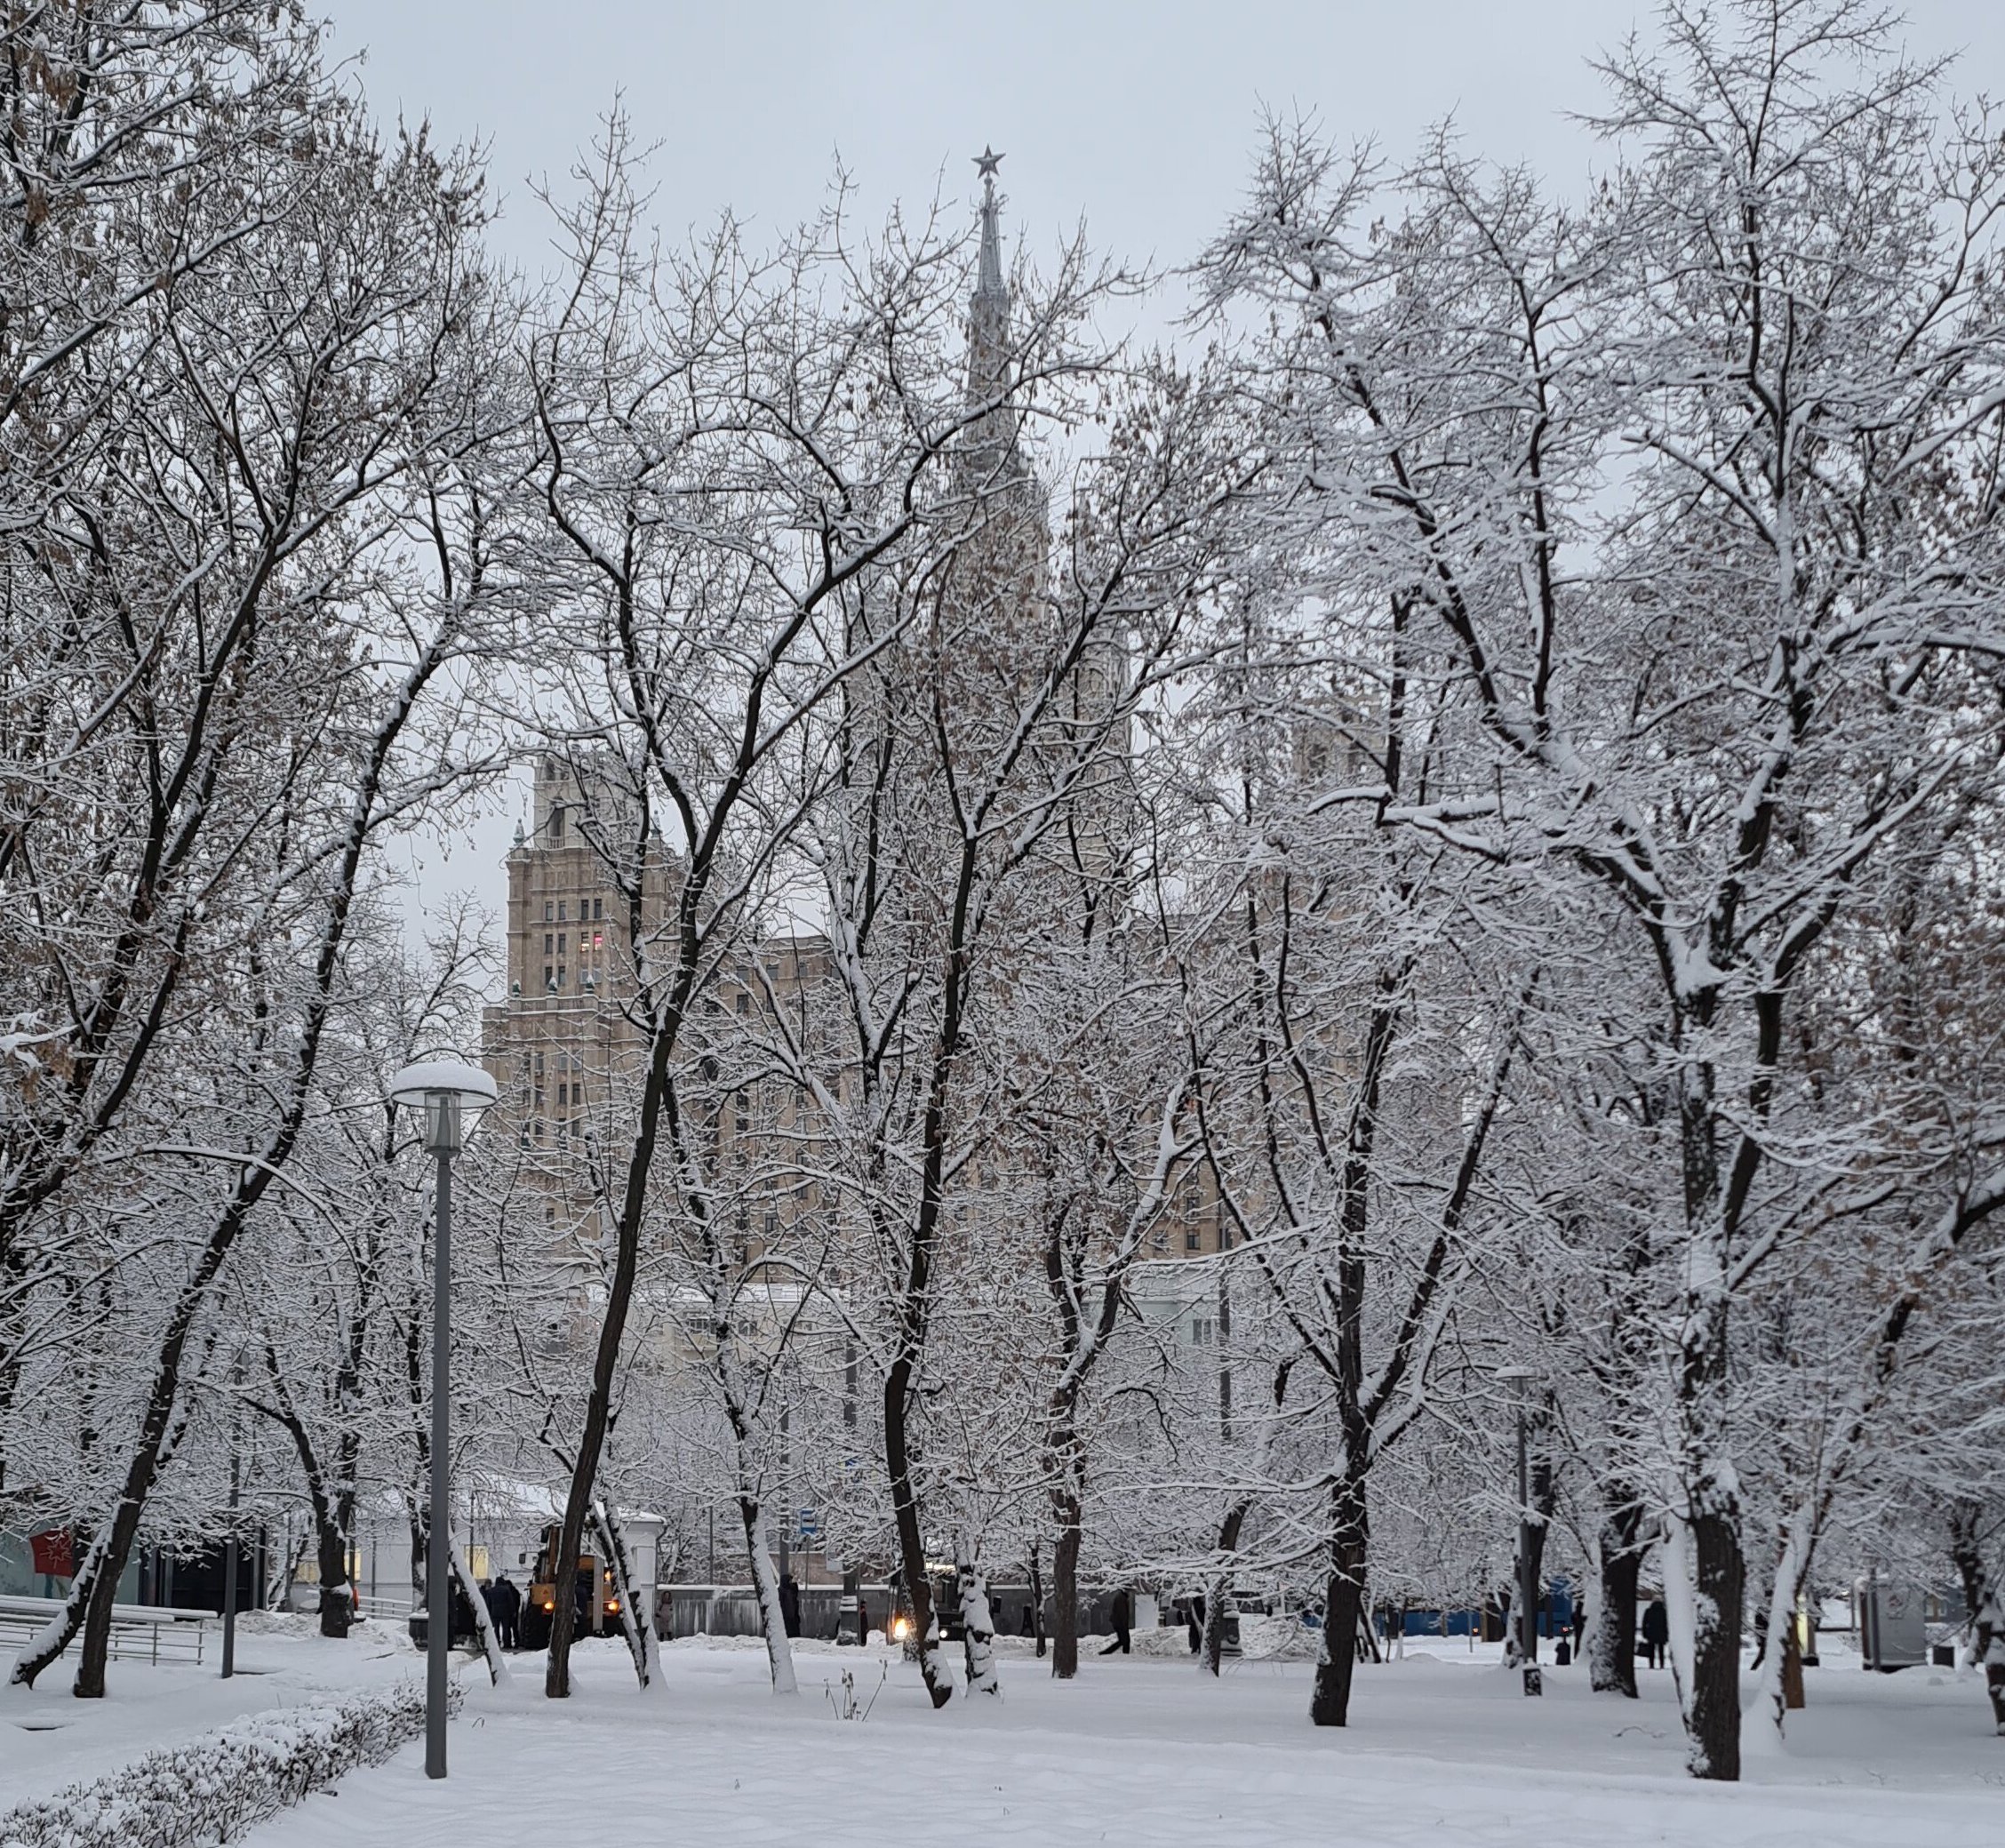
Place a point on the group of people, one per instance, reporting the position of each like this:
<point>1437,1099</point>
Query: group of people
<point>504,1601</point>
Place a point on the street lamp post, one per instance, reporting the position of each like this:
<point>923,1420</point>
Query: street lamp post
<point>230,1568</point>
<point>1526,1624</point>
<point>446,1095</point>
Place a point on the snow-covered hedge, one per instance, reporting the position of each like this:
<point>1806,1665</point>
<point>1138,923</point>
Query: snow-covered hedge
<point>216,1788</point>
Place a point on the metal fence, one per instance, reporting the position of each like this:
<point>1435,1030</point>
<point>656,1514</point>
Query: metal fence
<point>138,1635</point>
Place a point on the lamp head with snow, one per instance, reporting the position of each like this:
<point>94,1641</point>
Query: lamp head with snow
<point>446,1096</point>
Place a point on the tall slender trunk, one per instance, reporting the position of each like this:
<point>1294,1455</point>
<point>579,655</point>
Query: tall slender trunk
<point>484,1624</point>
<point>636,1621</point>
<point>1343,1609</point>
<point>912,1550</point>
<point>95,1588</point>
<point>765,1587</point>
<point>1037,1599</point>
<point>1068,1512</point>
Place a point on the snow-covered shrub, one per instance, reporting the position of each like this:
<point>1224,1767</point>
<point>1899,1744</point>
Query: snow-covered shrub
<point>217,1787</point>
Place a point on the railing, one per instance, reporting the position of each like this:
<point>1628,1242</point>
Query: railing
<point>139,1632</point>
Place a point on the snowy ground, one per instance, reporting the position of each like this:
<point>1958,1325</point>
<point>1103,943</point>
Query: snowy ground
<point>49,1738</point>
<point>1443,1749</point>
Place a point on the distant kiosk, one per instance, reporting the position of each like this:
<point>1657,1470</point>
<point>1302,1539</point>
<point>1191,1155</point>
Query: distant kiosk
<point>1893,1628</point>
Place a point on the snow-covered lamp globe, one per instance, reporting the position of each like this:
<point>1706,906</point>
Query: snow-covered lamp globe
<point>446,1096</point>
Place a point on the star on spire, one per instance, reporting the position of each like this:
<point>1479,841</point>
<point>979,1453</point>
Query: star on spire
<point>986,162</point>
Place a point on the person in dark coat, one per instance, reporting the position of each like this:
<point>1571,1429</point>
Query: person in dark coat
<point>1123,1618</point>
<point>462,1614</point>
<point>789,1605</point>
<point>504,1605</point>
<point>1657,1632</point>
<point>1197,1623</point>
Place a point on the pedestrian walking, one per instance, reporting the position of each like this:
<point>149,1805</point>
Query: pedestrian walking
<point>1123,1618</point>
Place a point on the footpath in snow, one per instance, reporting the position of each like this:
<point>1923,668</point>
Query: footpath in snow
<point>1442,1749</point>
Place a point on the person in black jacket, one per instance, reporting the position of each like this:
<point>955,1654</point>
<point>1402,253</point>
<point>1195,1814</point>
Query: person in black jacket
<point>1657,1632</point>
<point>504,1605</point>
<point>1123,1618</point>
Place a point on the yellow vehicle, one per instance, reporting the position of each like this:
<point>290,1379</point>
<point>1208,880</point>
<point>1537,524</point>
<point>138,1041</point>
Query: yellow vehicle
<point>598,1596</point>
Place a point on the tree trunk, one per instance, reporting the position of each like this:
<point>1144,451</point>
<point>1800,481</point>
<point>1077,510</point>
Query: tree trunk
<point>1065,1589</point>
<point>1792,1667</point>
<point>978,1624</point>
<point>765,1584</point>
<point>1343,1608</point>
<point>337,1599</point>
<point>1218,1600</point>
<point>638,1623</point>
<point>95,1590</point>
<point>1611,1644</point>
<point>1711,1588</point>
<point>1987,1608</point>
<point>911,1548</point>
<point>1037,1599</point>
<point>484,1624</point>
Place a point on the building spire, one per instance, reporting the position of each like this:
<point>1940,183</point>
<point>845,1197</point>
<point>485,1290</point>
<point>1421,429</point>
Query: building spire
<point>993,439</point>
<point>989,280</point>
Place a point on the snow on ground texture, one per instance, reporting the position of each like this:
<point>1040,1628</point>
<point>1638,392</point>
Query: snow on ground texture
<point>49,1738</point>
<point>1143,1751</point>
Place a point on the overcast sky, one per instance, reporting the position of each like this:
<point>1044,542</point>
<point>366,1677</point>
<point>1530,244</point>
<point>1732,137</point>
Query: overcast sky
<point>1139,119</point>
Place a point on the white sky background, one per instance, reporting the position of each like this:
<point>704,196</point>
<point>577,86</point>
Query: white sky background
<point>1138,118</point>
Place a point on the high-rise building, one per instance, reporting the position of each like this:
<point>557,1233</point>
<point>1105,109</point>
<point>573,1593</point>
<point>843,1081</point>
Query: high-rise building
<point>561,1044</point>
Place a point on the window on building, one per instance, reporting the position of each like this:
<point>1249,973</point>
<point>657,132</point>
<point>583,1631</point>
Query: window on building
<point>773,1226</point>
<point>547,944</point>
<point>540,1056</point>
<point>561,936</point>
<point>538,1129</point>
<point>1193,1240</point>
<point>598,907</point>
<point>1194,1199</point>
<point>556,823</point>
<point>560,975</point>
<point>549,1215</point>
<point>563,1095</point>
<point>547,910</point>
<point>598,940</point>
<point>561,904</point>
<point>744,1001</point>
<point>547,983</point>
<point>538,1098</point>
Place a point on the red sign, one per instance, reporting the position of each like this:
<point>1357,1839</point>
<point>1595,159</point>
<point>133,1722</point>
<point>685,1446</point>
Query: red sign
<point>53,1552</point>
